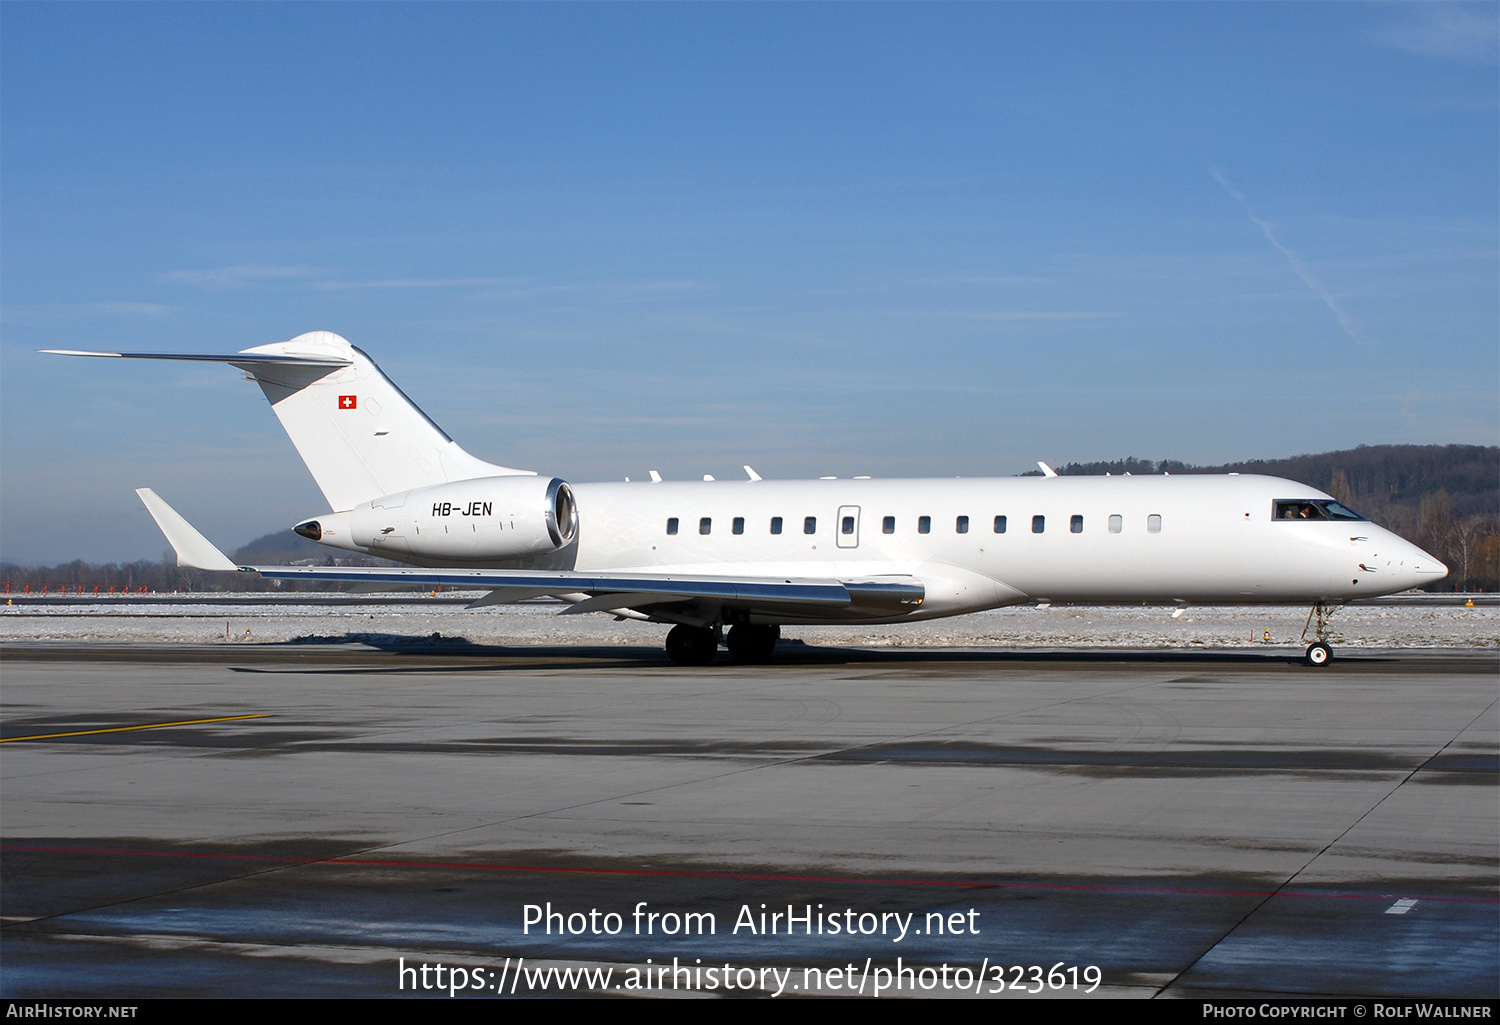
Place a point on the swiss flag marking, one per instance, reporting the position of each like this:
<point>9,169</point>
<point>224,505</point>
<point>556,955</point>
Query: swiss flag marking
<point>348,401</point>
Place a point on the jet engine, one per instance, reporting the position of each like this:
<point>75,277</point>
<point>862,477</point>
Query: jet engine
<point>485,518</point>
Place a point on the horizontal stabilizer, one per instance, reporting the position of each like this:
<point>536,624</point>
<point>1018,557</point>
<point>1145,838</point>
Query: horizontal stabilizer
<point>193,549</point>
<point>243,360</point>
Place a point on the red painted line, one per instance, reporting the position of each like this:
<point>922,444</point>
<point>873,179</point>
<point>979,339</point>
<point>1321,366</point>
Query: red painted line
<point>749,876</point>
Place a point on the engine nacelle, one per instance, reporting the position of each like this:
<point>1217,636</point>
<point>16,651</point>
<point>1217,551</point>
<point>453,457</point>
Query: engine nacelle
<point>485,518</point>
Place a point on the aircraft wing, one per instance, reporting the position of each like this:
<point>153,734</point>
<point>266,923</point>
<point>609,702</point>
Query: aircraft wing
<point>605,592</point>
<point>590,591</point>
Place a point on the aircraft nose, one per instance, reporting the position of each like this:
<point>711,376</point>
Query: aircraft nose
<point>1431,569</point>
<point>1423,568</point>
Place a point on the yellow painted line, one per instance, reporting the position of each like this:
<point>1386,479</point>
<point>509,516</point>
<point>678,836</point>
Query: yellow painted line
<point>126,729</point>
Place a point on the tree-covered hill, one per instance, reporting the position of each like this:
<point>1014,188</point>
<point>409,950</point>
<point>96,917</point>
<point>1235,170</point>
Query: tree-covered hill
<point>1376,478</point>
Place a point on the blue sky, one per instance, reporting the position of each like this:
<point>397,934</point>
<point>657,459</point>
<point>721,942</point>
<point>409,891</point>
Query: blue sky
<point>594,239</point>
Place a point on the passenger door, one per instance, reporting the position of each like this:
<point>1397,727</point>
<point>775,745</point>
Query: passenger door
<point>847,526</point>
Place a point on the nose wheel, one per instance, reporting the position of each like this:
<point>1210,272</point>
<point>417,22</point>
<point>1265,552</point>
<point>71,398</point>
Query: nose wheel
<point>1319,652</point>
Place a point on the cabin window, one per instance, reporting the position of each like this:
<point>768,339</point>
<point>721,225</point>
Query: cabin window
<point>739,525</point>
<point>672,525</point>
<point>809,525</point>
<point>924,524</point>
<point>961,525</point>
<point>1116,523</point>
<point>706,525</point>
<point>776,524</point>
<point>888,525</point>
<point>1076,524</point>
<point>847,525</point>
<point>1153,524</point>
<point>999,524</point>
<point>1038,524</point>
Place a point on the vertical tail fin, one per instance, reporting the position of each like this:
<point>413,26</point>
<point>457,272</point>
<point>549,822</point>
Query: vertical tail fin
<point>359,434</point>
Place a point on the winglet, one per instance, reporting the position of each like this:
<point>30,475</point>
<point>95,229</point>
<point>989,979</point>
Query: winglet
<point>751,474</point>
<point>1046,470</point>
<point>193,549</point>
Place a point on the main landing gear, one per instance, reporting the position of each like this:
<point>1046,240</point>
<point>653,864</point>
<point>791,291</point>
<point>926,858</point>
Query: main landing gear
<point>752,643</point>
<point>747,642</point>
<point>1319,652</point>
<point>692,645</point>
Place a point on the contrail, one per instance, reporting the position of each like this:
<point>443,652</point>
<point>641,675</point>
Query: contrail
<point>1298,267</point>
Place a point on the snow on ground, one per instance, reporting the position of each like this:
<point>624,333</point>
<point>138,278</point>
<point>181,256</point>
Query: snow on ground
<point>1020,627</point>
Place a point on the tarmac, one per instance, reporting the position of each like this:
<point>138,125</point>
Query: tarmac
<point>336,820</point>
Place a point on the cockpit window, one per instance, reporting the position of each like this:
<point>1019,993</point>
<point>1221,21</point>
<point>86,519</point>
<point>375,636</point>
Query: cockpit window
<point>1339,511</point>
<point>1299,511</point>
<point>1319,509</point>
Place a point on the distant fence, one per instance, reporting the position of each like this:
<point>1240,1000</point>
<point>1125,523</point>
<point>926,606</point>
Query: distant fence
<point>21,587</point>
<point>24,587</point>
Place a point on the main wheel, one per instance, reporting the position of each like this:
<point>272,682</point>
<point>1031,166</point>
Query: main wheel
<point>691,645</point>
<point>1318,654</point>
<point>752,643</point>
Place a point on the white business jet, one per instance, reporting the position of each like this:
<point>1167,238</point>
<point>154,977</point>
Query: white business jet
<point>755,555</point>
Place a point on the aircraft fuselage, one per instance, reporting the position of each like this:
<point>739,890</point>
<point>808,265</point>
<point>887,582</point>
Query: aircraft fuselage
<point>978,543</point>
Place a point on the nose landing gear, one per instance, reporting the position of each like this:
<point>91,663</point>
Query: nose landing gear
<point>1319,652</point>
